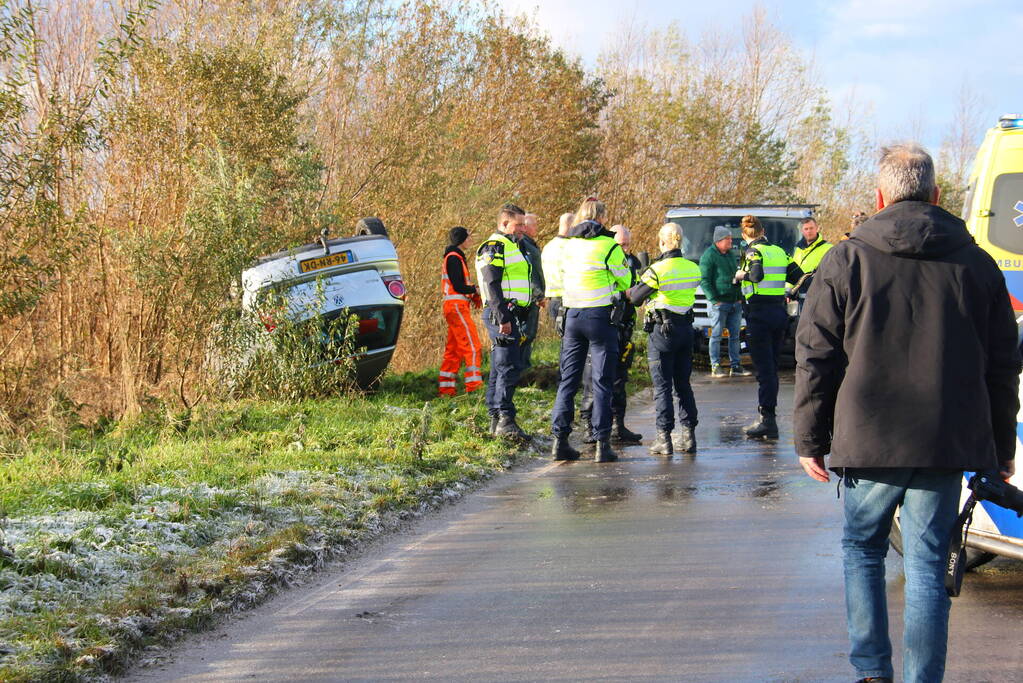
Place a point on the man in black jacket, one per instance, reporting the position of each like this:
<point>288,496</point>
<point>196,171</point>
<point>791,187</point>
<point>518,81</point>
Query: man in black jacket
<point>907,373</point>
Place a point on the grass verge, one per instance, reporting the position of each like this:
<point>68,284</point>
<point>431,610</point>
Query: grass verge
<point>126,536</point>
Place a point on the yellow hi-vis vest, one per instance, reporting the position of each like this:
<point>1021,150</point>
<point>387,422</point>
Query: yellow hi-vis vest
<point>808,259</point>
<point>776,262</point>
<point>515,270</point>
<point>675,280</point>
<point>592,270</point>
<point>552,267</point>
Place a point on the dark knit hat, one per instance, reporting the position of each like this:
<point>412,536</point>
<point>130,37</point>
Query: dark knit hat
<point>720,233</point>
<point>457,235</point>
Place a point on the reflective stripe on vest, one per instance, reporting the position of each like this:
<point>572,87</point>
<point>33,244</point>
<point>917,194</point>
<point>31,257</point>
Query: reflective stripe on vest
<point>588,278</point>
<point>776,264</point>
<point>810,258</point>
<point>675,280</point>
<point>514,270</point>
<point>445,282</point>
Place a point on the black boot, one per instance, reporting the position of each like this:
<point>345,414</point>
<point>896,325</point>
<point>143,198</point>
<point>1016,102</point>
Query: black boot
<point>662,446</point>
<point>493,424</point>
<point>507,429</point>
<point>622,434</point>
<point>764,428</point>
<point>563,450</point>
<point>604,452</point>
<point>588,437</point>
<point>687,439</point>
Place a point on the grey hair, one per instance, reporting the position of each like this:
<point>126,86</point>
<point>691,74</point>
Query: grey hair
<point>905,173</point>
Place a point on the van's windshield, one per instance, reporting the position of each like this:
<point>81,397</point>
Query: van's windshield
<point>698,232</point>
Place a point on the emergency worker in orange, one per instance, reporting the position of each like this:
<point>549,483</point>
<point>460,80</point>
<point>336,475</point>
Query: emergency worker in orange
<point>459,294</point>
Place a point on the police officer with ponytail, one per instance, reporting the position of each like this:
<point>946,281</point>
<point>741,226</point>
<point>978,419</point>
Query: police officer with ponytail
<point>763,272</point>
<point>669,285</point>
<point>594,275</point>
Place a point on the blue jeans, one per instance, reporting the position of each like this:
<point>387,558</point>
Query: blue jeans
<point>930,501</point>
<point>726,315</point>
<point>587,331</point>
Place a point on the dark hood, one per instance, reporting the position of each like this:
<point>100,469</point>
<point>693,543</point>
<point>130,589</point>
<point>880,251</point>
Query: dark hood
<point>915,230</point>
<point>589,230</point>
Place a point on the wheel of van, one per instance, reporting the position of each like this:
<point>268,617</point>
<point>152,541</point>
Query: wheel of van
<point>370,225</point>
<point>974,557</point>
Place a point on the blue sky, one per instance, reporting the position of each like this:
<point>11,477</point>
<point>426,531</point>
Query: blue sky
<point>903,61</point>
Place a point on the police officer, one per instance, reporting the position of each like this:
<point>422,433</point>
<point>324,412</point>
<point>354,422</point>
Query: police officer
<point>670,284</point>
<point>551,268</point>
<point>807,255</point>
<point>619,395</point>
<point>594,275</point>
<point>763,272</point>
<point>503,273</point>
<point>531,250</point>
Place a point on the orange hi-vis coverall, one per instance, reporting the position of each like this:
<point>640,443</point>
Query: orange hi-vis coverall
<point>463,344</point>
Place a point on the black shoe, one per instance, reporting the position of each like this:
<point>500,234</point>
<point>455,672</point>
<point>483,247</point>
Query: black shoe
<point>621,433</point>
<point>507,429</point>
<point>604,452</point>
<point>739,371</point>
<point>562,450</point>
<point>662,446</point>
<point>875,679</point>
<point>687,439</point>
<point>764,428</point>
<point>588,437</point>
<point>494,419</point>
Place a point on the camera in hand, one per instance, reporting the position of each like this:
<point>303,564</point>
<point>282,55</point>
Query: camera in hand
<point>985,486</point>
<point>990,486</point>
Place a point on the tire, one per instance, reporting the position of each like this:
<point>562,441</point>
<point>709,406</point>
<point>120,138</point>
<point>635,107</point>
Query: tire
<point>974,557</point>
<point>371,225</point>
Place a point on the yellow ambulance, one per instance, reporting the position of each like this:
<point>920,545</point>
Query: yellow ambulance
<point>993,209</point>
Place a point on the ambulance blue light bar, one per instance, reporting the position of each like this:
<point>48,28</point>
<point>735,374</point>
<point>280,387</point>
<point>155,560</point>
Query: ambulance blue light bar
<point>1011,121</point>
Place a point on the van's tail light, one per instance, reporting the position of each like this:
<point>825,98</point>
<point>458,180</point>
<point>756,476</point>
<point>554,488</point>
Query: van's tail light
<point>395,286</point>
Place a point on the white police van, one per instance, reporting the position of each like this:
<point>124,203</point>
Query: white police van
<point>339,277</point>
<point>781,225</point>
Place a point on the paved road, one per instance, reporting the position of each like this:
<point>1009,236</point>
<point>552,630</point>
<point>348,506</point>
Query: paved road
<point>724,566</point>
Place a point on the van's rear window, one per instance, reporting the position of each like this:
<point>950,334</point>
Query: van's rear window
<point>1005,229</point>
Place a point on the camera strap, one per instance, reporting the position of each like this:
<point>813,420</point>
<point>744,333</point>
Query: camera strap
<point>955,567</point>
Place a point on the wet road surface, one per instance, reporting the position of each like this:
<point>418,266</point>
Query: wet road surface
<point>723,566</point>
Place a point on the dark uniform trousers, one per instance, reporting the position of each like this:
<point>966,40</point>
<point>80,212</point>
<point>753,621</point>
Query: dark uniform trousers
<point>619,396</point>
<point>765,332</point>
<point>530,327</point>
<point>671,364</point>
<point>505,368</point>
<point>587,331</point>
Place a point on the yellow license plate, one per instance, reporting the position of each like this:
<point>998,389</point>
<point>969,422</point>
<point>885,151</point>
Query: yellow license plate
<point>338,259</point>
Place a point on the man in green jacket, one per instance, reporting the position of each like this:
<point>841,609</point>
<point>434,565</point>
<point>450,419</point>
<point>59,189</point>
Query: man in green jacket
<point>717,266</point>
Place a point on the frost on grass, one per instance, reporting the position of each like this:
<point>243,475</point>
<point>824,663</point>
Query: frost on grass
<point>73,557</point>
<point>98,544</point>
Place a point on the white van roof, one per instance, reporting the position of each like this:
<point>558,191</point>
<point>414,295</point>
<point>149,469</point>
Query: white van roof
<point>764,210</point>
